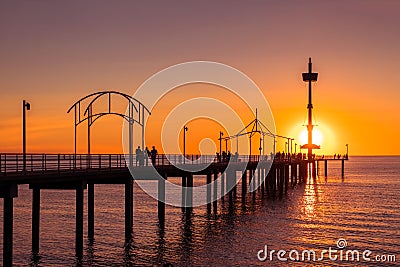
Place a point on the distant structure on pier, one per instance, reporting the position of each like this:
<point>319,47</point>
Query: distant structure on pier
<point>310,77</point>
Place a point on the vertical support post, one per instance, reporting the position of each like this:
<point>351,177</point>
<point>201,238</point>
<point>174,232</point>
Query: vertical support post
<point>224,179</point>
<point>23,136</point>
<point>230,185</point>
<point>35,220</point>
<point>131,136</point>
<point>234,183</point>
<point>215,195</point>
<point>342,168</point>
<point>142,125</point>
<point>189,194</point>
<point>268,184</point>
<point>128,209</point>
<point>291,174</point>
<point>314,170</point>
<point>208,192</point>
<point>286,177</point>
<point>281,178</point>
<point>91,210</point>
<point>244,185</point>
<point>326,168</point>
<point>8,230</point>
<point>183,193</point>
<point>75,138</point>
<point>184,143</point>
<point>161,200</point>
<point>275,178</point>
<point>79,222</point>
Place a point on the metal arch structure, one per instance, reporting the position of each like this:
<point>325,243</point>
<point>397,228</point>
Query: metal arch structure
<point>255,126</point>
<point>136,114</point>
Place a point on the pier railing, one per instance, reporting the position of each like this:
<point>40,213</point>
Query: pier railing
<point>42,163</point>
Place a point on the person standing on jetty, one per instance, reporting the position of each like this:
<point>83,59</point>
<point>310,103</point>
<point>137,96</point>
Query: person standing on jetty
<point>154,153</point>
<point>147,155</point>
<point>138,151</point>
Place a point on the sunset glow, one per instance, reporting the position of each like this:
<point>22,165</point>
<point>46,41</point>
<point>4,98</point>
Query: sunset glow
<point>317,137</point>
<point>57,68</point>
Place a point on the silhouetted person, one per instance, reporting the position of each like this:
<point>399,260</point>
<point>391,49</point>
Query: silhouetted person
<point>334,156</point>
<point>138,155</point>
<point>147,155</point>
<point>223,155</point>
<point>153,155</point>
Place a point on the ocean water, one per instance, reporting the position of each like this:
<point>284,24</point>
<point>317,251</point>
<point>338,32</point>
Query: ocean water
<point>363,208</point>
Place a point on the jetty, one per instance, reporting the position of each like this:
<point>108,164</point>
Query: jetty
<point>271,174</point>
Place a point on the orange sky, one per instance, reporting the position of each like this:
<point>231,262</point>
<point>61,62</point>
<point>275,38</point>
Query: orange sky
<point>53,53</point>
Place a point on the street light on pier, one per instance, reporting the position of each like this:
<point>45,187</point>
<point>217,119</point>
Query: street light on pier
<point>185,128</point>
<point>220,141</point>
<point>25,106</point>
<point>291,145</point>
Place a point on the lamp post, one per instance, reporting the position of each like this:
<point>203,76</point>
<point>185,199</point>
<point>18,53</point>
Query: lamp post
<point>220,142</point>
<point>185,128</point>
<point>25,106</point>
<point>295,148</point>
<point>347,151</point>
<point>291,145</point>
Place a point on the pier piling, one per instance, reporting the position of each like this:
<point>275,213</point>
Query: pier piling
<point>161,200</point>
<point>244,185</point>
<point>216,191</point>
<point>90,210</point>
<point>8,192</point>
<point>79,223</point>
<point>208,192</point>
<point>35,220</point>
<point>128,209</point>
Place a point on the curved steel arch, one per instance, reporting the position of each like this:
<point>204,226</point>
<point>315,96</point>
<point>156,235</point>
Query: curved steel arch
<point>134,105</point>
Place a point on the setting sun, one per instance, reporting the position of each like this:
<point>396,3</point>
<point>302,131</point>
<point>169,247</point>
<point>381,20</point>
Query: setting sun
<point>317,137</point>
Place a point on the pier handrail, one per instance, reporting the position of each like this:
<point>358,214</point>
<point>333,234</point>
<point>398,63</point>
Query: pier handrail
<point>36,163</point>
